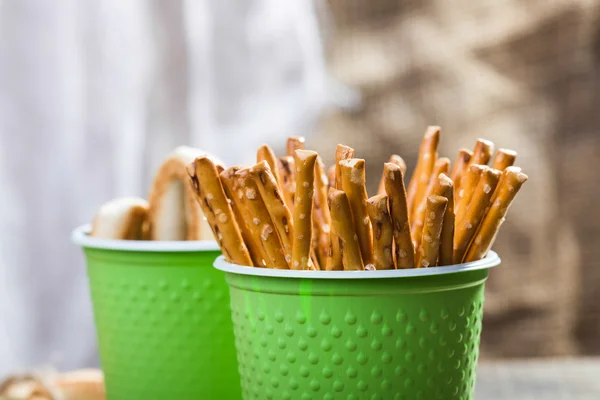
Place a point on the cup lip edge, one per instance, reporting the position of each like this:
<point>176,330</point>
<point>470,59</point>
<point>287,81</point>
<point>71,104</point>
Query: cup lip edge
<point>80,236</point>
<point>490,261</point>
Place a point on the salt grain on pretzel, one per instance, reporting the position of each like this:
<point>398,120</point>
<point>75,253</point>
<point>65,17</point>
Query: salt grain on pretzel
<point>394,187</point>
<point>383,236</point>
<point>394,159</point>
<point>428,251</point>
<point>303,206</point>
<point>467,225</point>
<point>353,183</point>
<point>218,212</point>
<point>343,228</point>
<point>510,184</point>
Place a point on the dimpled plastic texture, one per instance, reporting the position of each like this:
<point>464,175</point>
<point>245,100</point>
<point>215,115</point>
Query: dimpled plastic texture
<point>393,338</point>
<point>163,324</point>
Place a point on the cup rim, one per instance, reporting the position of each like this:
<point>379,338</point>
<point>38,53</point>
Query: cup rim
<point>491,260</point>
<point>81,237</point>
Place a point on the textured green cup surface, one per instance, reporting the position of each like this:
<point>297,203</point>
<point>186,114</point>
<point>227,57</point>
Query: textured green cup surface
<point>413,335</point>
<point>163,321</point>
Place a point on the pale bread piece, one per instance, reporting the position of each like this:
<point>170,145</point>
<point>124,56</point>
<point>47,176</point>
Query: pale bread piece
<point>84,384</point>
<point>122,219</point>
<point>174,210</point>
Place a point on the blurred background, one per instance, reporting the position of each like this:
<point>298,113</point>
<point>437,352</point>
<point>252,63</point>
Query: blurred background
<point>94,94</point>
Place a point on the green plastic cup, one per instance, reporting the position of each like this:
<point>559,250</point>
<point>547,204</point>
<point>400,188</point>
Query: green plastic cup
<point>399,334</point>
<point>162,318</point>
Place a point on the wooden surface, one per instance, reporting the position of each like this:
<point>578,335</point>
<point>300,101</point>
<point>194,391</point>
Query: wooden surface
<point>576,379</point>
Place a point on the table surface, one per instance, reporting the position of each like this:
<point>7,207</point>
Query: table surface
<point>572,379</point>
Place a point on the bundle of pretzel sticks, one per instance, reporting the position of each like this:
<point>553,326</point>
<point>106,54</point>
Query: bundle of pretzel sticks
<point>290,212</point>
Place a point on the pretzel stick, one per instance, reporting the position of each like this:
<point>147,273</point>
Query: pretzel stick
<point>353,183</point>
<point>232,188</point>
<point>383,236</point>
<point>331,177</point>
<point>258,220</point>
<point>504,158</point>
<point>286,167</point>
<point>442,165</point>
<point>422,174</point>
<point>280,214</point>
<point>343,228</point>
<point>446,256</point>
<point>341,153</point>
<point>265,153</point>
<point>394,159</point>
<point>468,184</point>
<point>468,224</point>
<point>293,144</point>
<point>305,179</point>
<point>427,255</point>
<point>216,208</point>
<point>321,214</point>
<point>394,187</point>
<point>482,152</point>
<point>510,184</point>
<point>460,167</point>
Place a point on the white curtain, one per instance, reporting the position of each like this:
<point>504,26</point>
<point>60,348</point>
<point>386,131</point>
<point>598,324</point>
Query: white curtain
<point>93,94</point>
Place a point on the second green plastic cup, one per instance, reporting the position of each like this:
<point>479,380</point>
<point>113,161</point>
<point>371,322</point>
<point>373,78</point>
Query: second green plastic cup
<point>400,334</point>
<point>163,319</point>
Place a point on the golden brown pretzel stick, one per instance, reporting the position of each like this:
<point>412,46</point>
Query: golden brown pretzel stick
<point>280,214</point>
<point>293,144</point>
<point>428,252</point>
<point>442,165</point>
<point>232,190</point>
<point>353,183</point>
<point>422,174</point>
<point>394,187</point>
<point>446,256</point>
<point>218,212</point>
<point>383,236</point>
<point>482,153</point>
<point>341,153</point>
<point>305,180</point>
<point>468,183</point>
<point>343,228</point>
<point>510,184</point>
<point>504,158</point>
<point>334,259</point>
<point>287,170</point>
<point>468,224</point>
<point>265,153</point>
<point>460,166</point>
<point>259,222</point>
<point>331,177</point>
<point>321,214</point>
<point>394,159</point>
